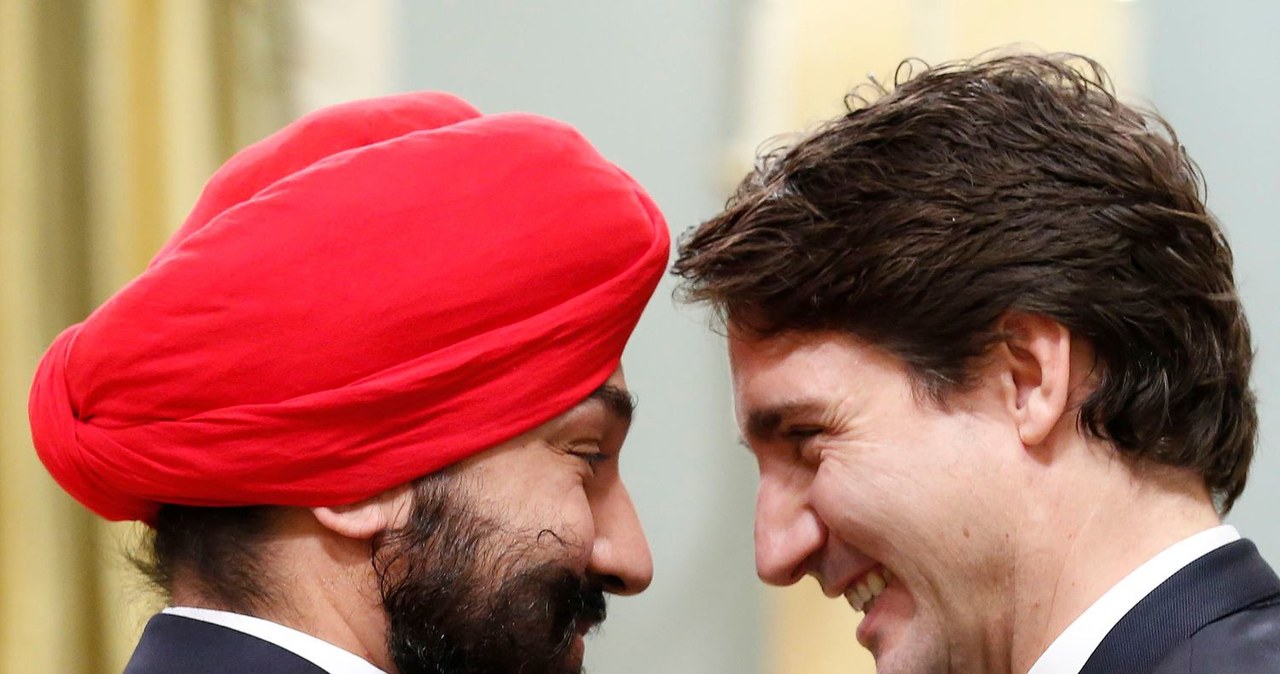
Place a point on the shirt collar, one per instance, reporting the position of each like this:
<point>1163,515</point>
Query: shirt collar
<point>1068,653</point>
<point>321,653</point>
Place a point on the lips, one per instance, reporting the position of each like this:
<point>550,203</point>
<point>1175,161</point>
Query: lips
<point>862,593</point>
<point>583,626</point>
<point>577,652</point>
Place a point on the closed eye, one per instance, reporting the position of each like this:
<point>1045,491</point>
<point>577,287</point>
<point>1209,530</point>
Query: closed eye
<point>590,453</point>
<point>594,460</point>
<point>801,433</point>
<point>801,437</point>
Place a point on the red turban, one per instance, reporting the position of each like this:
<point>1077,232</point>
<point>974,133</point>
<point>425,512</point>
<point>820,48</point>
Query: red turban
<point>373,293</point>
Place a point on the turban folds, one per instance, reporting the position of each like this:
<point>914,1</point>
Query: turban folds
<point>375,292</point>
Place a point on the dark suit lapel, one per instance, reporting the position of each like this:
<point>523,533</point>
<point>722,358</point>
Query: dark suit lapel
<point>1218,584</point>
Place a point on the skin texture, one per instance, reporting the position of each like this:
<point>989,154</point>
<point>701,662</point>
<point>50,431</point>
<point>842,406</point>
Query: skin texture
<point>561,478</point>
<point>998,519</point>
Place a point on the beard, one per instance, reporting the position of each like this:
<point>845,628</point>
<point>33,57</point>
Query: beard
<point>465,596</point>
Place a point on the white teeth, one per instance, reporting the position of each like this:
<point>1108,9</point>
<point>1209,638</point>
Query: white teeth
<point>862,594</point>
<point>875,583</point>
<point>854,600</point>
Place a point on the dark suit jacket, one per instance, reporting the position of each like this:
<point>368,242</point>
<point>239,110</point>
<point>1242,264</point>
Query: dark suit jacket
<point>1219,615</point>
<point>177,645</point>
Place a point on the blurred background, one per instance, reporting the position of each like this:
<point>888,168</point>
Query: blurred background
<point>113,113</point>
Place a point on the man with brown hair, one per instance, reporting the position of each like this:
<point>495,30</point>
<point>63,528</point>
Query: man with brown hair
<point>988,352</point>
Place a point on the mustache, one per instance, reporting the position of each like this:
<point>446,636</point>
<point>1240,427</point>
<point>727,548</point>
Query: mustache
<point>578,604</point>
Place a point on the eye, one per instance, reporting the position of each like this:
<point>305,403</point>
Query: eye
<point>593,459</point>
<point>589,452</point>
<point>800,433</point>
<point>800,436</point>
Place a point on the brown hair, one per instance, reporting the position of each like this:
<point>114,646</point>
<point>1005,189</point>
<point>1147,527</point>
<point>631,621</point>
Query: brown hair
<point>976,188</point>
<point>214,553</point>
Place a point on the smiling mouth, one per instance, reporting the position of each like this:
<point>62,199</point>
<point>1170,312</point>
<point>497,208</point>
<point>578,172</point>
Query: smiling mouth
<point>862,594</point>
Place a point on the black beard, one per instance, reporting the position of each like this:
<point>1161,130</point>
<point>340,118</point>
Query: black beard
<point>465,597</point>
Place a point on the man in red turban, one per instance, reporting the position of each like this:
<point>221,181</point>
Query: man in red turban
<point>369,398</point>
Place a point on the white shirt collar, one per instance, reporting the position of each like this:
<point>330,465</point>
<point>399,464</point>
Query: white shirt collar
<point>1068,653</point>
<point>321,653</point>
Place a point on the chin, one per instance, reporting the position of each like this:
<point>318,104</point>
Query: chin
<point>901,641</point>
<point>911,658</point>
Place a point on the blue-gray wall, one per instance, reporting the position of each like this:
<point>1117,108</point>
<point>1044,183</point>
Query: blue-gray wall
<point>1214,72</point>
<point>650,83</point>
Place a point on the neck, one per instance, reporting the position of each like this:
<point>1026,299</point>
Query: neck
<point>1091,525</point>
<point>323,586</point>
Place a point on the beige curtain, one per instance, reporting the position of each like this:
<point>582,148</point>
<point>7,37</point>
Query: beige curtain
<point>800,56</point>
<point>112,115</point>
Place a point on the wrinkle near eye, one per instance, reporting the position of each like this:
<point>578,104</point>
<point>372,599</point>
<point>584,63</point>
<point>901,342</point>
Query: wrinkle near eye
<point>802,432</point>
<point>767,422</point>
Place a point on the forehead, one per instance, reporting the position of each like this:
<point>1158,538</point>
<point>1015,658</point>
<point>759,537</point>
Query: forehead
<point>804,356</point>
<point>610,402</point>
<point>792,370</point>
<point>617,379</point>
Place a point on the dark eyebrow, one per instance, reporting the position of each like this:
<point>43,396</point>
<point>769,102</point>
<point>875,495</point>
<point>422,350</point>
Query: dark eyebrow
<point>763,423</point>
<point>617,401</point>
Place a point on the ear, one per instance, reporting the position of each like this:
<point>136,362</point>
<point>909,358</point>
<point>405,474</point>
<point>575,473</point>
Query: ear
<point>1036,358</point>
<point>365,519</point>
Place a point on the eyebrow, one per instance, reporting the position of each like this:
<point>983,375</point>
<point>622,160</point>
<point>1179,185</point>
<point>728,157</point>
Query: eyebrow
<point>764,422</point>
<point>617,401</point>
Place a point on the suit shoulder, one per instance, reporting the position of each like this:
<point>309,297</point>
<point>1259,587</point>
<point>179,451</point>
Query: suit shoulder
<point>1245,642</point>
<point>173,644</point>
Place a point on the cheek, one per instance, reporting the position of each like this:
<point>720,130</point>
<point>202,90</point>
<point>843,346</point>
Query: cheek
<point>855,500</point>
<point>888,499</point>
<point>571,518</point>
<point>929,507</point>
<point>577,517</point>
<point>559,506</point>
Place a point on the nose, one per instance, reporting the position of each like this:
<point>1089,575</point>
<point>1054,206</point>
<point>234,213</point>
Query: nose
<point>620,554</point>
<point>788,531</point>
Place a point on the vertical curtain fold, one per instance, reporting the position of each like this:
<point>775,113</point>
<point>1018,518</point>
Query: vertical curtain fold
<point>112,115</point>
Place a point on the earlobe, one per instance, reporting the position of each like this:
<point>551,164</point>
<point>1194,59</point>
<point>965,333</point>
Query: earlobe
<point>1038,353</point>
<point>365,519</point>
